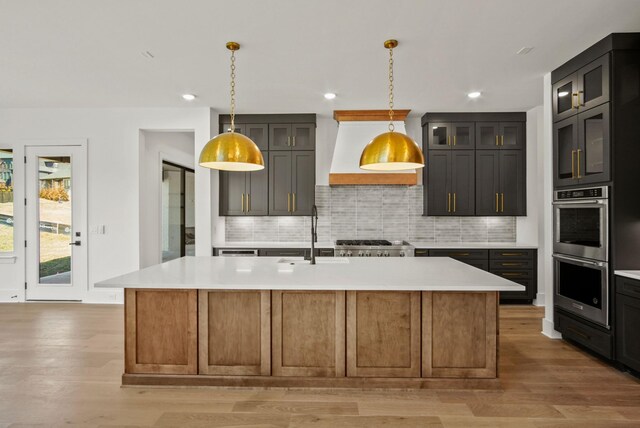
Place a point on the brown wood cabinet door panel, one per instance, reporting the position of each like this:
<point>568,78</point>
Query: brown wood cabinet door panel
<point>308,333</point>
<point>383,334</point>
<point>459,334</point>
<point>161,331</point>
<point>235,332</point>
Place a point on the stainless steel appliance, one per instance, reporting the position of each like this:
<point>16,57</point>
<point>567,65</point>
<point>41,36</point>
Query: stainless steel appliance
<point>581,286</point>
<point>238,253</point>
<point>373,248</point>
<point>581,223</point>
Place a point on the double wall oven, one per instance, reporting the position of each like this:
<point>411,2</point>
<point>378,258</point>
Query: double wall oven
<point>581,252</point>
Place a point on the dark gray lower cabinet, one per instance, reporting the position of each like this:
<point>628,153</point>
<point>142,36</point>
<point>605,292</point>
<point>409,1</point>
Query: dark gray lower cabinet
<point>517,265</point>
<point>500,183</point>
<point>245,193</point>
<point>292,176</point>
<point>451,183</point>
<point>286,252</point>
<point>627,319</point>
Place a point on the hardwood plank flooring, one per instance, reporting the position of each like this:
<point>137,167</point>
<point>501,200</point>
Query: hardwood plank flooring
<point>60,365</point>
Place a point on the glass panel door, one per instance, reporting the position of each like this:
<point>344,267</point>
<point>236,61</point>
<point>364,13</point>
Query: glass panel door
<point>511,135</point>
<point>593,145</point>
<point>487,135</point>
<point>178,211</point>
<point>565,143</point>
<point>56,223</point>
<point>565,101</point>
<point>463,135</point>
<point>439,135</point>
<point>6,201</point>
<point>593,82</point>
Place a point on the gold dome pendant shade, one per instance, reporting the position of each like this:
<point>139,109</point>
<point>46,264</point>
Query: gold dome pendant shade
<point>391,151</point>
<point>230,151</point>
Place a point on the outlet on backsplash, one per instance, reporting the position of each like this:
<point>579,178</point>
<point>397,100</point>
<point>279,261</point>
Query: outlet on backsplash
<point>372,212</point>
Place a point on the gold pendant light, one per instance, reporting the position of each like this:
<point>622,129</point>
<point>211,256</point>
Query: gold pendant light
<point>391,151</point>
<point>230,151</point>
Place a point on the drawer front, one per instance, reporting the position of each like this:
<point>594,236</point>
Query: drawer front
<point>512,254</point>
<point>511,264</point>
<point>627,286</point>
<point>461,254</point>
<point>594,339</point>
<point>528,294</point>
<point>324,252</point>
<point>480,264</point>
<point>513,275</point>
<point>282,252</point>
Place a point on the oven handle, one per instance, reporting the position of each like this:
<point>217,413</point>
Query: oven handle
<point>581,202</point>
<point>582,261</point>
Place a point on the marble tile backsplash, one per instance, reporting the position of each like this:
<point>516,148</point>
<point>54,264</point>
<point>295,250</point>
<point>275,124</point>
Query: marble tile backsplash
<point>371,212</point>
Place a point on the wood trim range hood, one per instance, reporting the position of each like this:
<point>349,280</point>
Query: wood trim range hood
<point>355,129</point>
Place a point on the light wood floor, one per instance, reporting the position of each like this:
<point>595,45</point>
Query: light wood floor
<point>60,365</point>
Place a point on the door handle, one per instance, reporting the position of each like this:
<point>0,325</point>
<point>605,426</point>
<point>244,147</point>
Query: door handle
<point>448,202</point>
<point>288,202</point>
<point>294,140</point>
<point>448,140</point>
<point>497,142</point>
<point>497,203</point>
<point>454,200</point>
<point>454,140</point>
<point>580,103</point>
<point>502,202</point>
<point>294,203</point>
<point>578,161</point>
<point>573,164</point>
<point>242,201</point>
<point>502,140</point>
<point>76,243</point>
<point>573,95</point>
<point>288,141</point>
<point>248,203</point>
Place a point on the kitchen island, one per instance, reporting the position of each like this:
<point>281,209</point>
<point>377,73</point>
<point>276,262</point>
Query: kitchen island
<point>268,321</point>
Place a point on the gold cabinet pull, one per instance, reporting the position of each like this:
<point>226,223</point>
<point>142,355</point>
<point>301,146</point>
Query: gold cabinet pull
<point>511,254</point>
<point>288,141</point>
<point>511,274</point>
<point>293,140</point>
<point>573,164</point>
<point>288,202</point>
<point>573,95</point>
<point>242,201</point>
<point>502,202</point>
<point>510,264</point>
<point>497,142</point>
<point>497,204</point>
<point>578,162</point>
<point>448,140</point>
<point>454,140</point>
<point>248,202</point>
<point>502,140</point>
<point>580,103</point>
<point>294,203</point>
<point>454,200</point>
<point>448,202</point>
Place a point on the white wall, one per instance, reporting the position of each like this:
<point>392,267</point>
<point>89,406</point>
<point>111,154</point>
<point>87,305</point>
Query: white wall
<point>176,147</point>
<point>113,175</point>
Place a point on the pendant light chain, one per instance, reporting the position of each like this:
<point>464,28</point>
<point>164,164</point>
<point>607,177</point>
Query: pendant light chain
<point>233,90</point>
<point>391,127</point>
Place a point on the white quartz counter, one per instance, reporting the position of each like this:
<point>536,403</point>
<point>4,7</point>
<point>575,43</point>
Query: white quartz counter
<point>272,244</point>
<point>340,273</point>
<point>633,274</point>
<point>473,245</point>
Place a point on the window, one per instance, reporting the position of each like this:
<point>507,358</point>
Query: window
<point>6,200</point>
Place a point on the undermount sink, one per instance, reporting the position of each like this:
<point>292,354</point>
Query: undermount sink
<point>319,261</point>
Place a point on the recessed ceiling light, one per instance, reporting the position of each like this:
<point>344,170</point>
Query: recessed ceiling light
<point>563,94</point>
<point>329,95</point>
<point>475,94</point>
<point>189,97</point>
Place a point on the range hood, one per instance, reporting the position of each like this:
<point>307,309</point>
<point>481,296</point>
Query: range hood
<point>356,128</point>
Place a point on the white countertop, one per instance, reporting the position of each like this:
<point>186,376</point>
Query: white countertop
<point>331,273</point>
<point>633,274</point>
<point>473,245</point>
<point>272,244</point>
<point>417,244</point>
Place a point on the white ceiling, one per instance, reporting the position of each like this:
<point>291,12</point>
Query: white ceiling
<point>87,53</point>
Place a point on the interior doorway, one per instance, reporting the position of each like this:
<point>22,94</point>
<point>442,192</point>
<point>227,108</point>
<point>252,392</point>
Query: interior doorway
<point>178,211</point>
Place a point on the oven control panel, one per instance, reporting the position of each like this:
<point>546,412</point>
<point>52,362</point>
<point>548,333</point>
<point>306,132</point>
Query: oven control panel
<point>591,193</point>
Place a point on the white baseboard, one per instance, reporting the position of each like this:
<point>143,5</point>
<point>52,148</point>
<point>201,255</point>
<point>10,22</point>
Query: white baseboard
<point>539,300</point>
<point>105,295</point>
<point>11,295</point>
<point>548,329</point>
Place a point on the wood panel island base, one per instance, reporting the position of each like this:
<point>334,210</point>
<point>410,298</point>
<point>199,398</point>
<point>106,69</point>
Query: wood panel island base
<point>249,336</point>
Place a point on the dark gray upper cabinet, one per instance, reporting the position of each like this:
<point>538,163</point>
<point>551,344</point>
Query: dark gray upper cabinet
<point>451,136</point>
<point>259,133</point>
<point>451,183</point>
<point>291,182</point>
<point>500,183</point>
<point>296,136</point>
<point>500,135</point>
<point>584,89</point>
<point>280,183</point>
<point>244,193</point>
<point>581,148</point>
